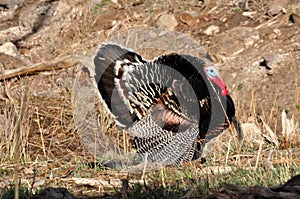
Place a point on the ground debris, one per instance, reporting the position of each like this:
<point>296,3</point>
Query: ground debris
<point>290,190</point>
<point>54,193</point>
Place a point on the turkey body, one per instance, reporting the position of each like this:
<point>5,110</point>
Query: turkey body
<point>170,105</point>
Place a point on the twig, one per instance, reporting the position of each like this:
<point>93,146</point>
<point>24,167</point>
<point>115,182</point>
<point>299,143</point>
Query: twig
<point>269,159</point>
<point>112,183</point>
<point>145,166</point>
<point>227,154</point>
<point>65,62</point>
<point>258,154</point>
<point>162,177</point>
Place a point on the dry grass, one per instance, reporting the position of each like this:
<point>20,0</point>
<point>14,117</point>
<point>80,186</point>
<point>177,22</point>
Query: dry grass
<point>51,152</point>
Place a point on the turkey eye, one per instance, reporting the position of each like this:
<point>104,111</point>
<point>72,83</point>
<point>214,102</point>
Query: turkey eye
<point>212,73</point>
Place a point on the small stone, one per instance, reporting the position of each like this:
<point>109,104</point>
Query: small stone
<point>9,49</point>
<point>60,82</point>
<point>272,36</point>
<point>249,42</point>
<point>193,13</point>
<point>114,22</point>
<point>252,134</point>
<point>277,32</point>
<point>211,30</point>
<point>249,14</point>
<point>167,21</point>
<point>137,3</point>
<point>29,170</point>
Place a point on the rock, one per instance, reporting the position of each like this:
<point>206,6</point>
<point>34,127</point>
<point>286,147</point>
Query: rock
<point>167,21</point>
<point>14,33</point>
<point>4,17</point>
<point>8,62</point>
<point>277,6</point>
<point>188,19</point>
<point>233,42</point>
<point>9,49</point>
<point>211,30</point>
<point>296,14</point>
<point>272,61</point>
<point>252,134</point>
<point>296,19</point>
<point>8,4</point>
<point>275,34</point>
<point>252,138</point>
<point>32,15</point>
<point>54,193</point>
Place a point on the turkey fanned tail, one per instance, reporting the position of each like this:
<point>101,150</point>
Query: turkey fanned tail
<point>167,104</point>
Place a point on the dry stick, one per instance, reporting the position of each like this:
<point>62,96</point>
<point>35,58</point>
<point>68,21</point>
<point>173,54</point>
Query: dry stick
<point>60,63</point>
<point>272,21</point>
<point>228,151</point>
<point>112,183</point>
<point>269,160</point>
<point>252,105</point>
<point>41,133</point>
<point>162,177</point>
<point>145,166</point>
<point>258,154</point>
<point>124,143</point>
<point>18,140</point>
<point>95,149</point>
<point>272,110</point>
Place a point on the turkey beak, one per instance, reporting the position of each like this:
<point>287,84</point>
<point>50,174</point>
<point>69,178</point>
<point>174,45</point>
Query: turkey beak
<point>237,126</point>
<point>230,111</point>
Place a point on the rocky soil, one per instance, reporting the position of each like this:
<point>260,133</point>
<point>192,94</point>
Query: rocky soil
<point>255,44</point>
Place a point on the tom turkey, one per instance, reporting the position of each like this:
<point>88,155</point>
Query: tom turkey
<point>171,105</point>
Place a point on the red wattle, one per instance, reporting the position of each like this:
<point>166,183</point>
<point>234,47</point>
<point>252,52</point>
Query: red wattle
<point>222,85</point>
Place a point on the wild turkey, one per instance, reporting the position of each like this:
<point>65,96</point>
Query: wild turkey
<point>170,105</point>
